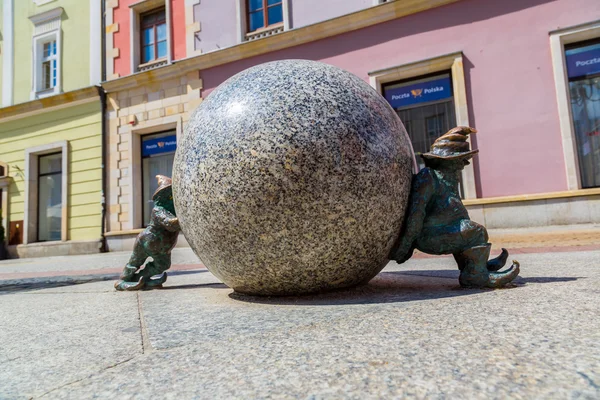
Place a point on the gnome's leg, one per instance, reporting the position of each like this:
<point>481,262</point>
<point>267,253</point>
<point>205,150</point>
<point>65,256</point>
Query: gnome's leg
<point>472,264</point>
<point>137,259</point>
<point>474,269</point>
<point>160,264</point>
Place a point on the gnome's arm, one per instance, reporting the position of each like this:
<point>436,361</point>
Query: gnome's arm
<point>422,190</point>
<point>166,219</point>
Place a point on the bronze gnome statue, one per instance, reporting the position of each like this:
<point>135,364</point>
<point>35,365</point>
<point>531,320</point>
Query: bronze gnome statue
<point>156,241</point>
<point>437,222</point>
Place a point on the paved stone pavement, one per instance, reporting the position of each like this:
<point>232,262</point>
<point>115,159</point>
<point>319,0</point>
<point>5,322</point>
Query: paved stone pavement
<point>85,268</point>
<point>412,332</point>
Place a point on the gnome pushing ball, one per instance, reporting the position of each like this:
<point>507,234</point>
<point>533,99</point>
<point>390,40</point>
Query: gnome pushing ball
<point>438,223</point>
<point>156,241</point>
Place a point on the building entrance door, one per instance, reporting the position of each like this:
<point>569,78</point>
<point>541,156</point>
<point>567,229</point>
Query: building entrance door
<point>425,106</point>
<point>583,67</point>
<point>158,153</point>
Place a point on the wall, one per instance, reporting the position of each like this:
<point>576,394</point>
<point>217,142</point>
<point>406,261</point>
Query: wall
<point>178,28</point>
<point>510,85</point>
<point>81,127</point>
<point>219,20</point>
<point>122,36</point>
<point>307,12</point>
<point>147,109</point>
<point>75,45</point>
<point>218,23</point>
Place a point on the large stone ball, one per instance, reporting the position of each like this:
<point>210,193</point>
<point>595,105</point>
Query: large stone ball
<point>292,177</point>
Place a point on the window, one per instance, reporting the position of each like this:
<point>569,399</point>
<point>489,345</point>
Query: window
<point>448,66</point>
<point>583,71</point>
<point>158,152</point>
<point>46,193</point>
<point>153,36</point>
<point>49,65</point>
<point>49,197</point>
<point>264,13</point>
<point>46,67</point>
<point>425,106</point>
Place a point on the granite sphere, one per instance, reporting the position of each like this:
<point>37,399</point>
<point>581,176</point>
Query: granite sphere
<point>293,177</point>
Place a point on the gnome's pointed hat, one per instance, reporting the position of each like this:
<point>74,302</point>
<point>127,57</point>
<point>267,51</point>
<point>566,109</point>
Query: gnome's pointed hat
<point>164,185</point>
<point>452,145</point>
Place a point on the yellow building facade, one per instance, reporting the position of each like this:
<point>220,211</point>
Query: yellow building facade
<point>51,150</point>
<point>44,150</point>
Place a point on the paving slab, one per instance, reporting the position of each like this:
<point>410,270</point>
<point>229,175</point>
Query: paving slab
<point>412,332</point>
<point>51,340</point>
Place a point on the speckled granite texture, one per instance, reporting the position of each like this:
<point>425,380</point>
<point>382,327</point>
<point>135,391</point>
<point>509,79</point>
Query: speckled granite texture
<point>292,177</point>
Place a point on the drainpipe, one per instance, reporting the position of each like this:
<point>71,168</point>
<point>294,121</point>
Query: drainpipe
<point>103,40</point>
<point>102,94</point>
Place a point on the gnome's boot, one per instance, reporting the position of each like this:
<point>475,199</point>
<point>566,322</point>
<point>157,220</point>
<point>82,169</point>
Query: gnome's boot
<point>129,286</point>
<point>159,266</point>
<point>474,272</point>
<point>128,273</point>
<point>497,263</point>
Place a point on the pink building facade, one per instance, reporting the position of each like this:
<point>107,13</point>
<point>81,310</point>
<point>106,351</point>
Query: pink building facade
<point>525,73</point>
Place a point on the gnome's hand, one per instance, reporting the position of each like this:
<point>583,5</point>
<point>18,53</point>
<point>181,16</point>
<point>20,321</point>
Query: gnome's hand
<point>403,253</point>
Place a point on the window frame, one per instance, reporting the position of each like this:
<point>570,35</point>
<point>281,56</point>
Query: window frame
<point>53,68</point>
<point>47,27</point>
<point>42,175</point>
<point>5,181</point>
<point>38,89</point>
<point>450,100</point>
<point>42,2</point>
<point>454,63</point>
<point>155,34</point>
<point>136,10</point>
<point>567,47</point>
<point>32,155</point>
<point>265,12</point>
<point>142,138</point>
<point>559,40</point>
<point>243,35</point>
<point>134,177</point>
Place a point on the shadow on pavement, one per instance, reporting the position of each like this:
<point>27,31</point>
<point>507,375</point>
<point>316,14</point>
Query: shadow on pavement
<point>31,284</point>
<point>387,287</point>
<point>27,285</point>
<point>453,274</point>
<point>391,287</point>
<point>197,286</point>
<point>546,279</point>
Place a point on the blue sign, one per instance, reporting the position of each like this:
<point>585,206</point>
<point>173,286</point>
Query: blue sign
<point>423,92</point>
<point>583,61</point>
<point>166,144</point>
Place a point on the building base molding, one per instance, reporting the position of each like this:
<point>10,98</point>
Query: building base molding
<point>51,249</point>
<point>512,214</point>
<point>537,211</point>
